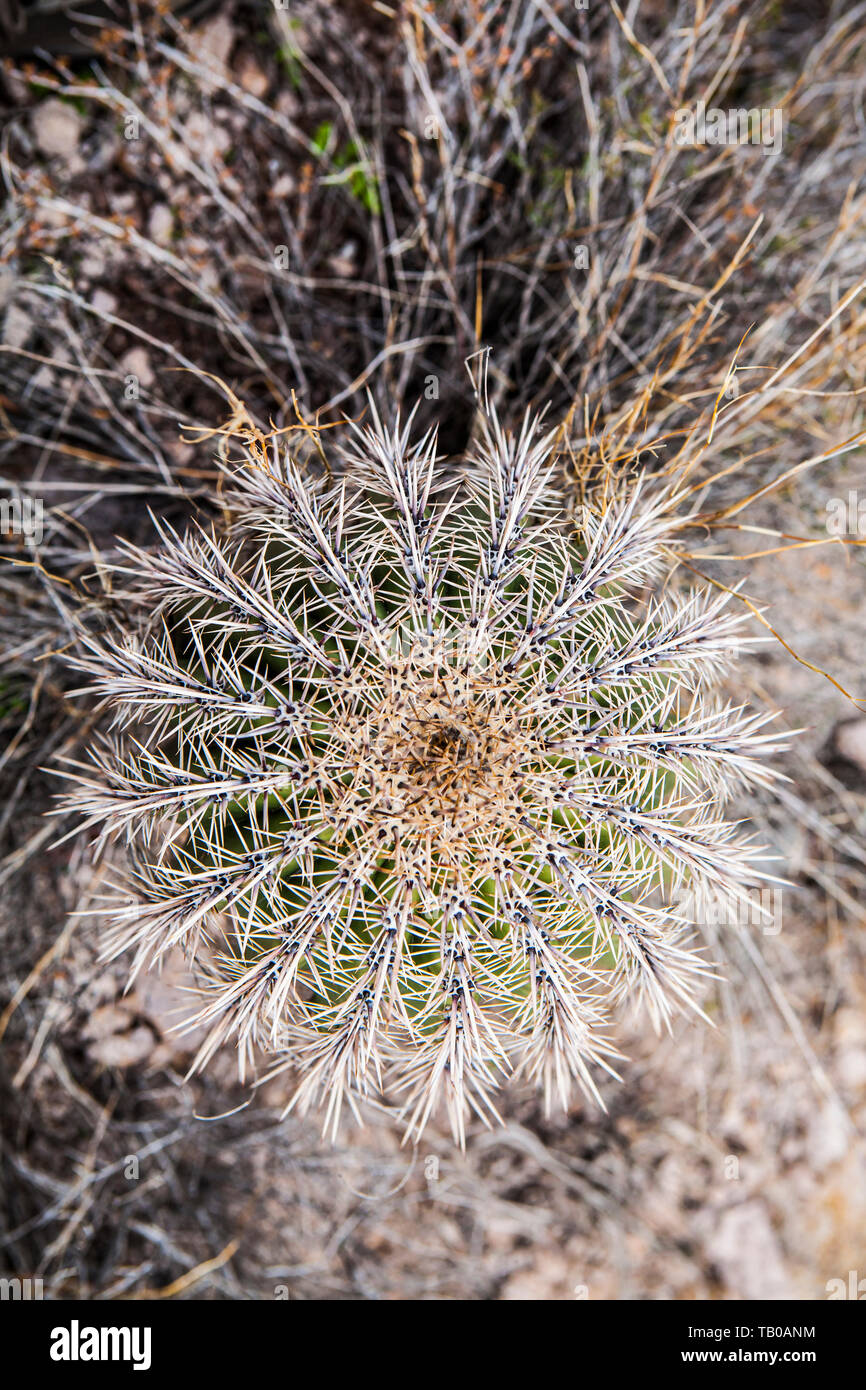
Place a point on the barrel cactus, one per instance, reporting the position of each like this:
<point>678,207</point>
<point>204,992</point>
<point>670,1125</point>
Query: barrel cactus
<point>411,766</point>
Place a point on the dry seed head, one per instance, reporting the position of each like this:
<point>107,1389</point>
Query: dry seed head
<point>409,772</point>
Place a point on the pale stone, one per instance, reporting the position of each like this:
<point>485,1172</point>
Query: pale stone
<point>343,263</point>
<point>746,1251</point>
<point>287,103</point>
<point>167,1002</point>
<point>43,380</point>
<point>17,327</point>
<point>137,363</point>
<point>160,224</point>
<point>123,1049</point>
<point>207,137</point>
<point>252,78</point>
<point>829,1136</point>
<point>56,128</point>
<point>215,39</point>
<point>180,451</point>
<point>551,1278</point>
<point>103,302</point>
<point>851,741</point>
<point>92,267</point>
<point>109,1019</point>
<point>284,185</point>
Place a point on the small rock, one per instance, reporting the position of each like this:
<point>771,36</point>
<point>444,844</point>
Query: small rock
<point>103,302</point>
<point>91,267</point>
<point>181,452</point>
<point>851,1065</point>
<point>343,263</point>
<point>284,185</point>
<point>43,380</point>
<point>851,742</point>
<point>746,1251</point>
<point>16,85</point>
<point>287,103</point>
<point>165,1000</point>
<point>54,217</point>
<point>17,328</point>
<point>101,989</point>
<point>160,224</point>
<point>215,41</point>
<point>123,1049</point>
<point>105,1021</point>
<point>849,1027</point>
<point>550,1278</point>
<point>137,363</point>
<point>208,137</point>
<point>829,1136</point>
<point>252,78</point>
<point>57,128</point>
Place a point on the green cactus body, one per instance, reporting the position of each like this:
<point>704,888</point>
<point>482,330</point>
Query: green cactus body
<point>411,774</point>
